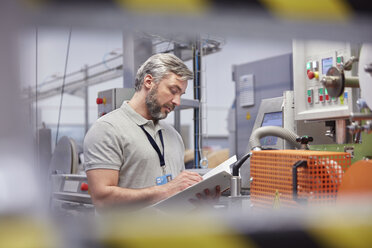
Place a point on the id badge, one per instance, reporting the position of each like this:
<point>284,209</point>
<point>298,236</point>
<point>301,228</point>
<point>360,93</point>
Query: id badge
<point>163,179</point>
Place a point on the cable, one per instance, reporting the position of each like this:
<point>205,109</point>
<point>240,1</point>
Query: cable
<point>205,98</point>
<point>196,110</point>
<point>63,83</point>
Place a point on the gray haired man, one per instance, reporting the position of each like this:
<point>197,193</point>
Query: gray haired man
<point>131,156</point>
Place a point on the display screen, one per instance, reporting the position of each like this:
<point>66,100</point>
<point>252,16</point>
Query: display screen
<point>71,186</point>
<point>326,64</point>
<point>271,119</point>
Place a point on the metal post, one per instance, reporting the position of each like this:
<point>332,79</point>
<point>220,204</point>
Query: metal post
<point>86,99</point>
<point>136,50</point>
<point>128,61</point>
<point>197,95</point>
<point>340,131</point>
<point>177,113</point>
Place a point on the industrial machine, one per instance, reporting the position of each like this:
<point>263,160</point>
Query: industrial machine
<point>71,194</point>
<point>65,159</point>
<point>68,183</point>
<point>326,94</point>
<point>326,86</point>
<point>70,190</point>
<point>109,100</point>
<point>311,62</point>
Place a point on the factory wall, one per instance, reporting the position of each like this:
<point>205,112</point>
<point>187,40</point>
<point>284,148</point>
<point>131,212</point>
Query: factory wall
<point>93,46</point>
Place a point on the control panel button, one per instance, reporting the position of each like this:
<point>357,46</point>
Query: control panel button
<point>310,96</point>
<point>310,74</point>
<point>316,74</point>
<point>341,99</point>
<point>101,100</point>
<point>84,187</point>
<point>315,66</point>
<point>327,98</point>
<point>321,94</point>
<point>339,61</point>
<point>308,66</point>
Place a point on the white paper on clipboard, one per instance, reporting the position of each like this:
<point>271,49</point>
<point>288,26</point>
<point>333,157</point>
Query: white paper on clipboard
<point>180,203</point>
<point>225,166</point>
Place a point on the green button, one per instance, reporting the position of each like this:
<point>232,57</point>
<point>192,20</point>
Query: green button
<point>326,91</point>
<point>321,91</point>
<point>309,92</point>
<point>339,59</point>
<point>308,65</point>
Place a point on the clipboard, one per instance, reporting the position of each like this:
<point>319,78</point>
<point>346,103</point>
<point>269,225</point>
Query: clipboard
<point>179,203</point>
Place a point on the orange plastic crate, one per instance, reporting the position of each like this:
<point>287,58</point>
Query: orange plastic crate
<point>317,183</point>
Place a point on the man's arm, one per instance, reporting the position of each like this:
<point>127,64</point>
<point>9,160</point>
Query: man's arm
<point>104,189</point>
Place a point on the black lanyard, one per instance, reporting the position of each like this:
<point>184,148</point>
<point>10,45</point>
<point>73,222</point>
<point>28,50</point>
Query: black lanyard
<point>155,146</point>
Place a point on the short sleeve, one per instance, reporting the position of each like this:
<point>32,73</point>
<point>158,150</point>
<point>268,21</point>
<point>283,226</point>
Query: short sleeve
<point>102,147</point>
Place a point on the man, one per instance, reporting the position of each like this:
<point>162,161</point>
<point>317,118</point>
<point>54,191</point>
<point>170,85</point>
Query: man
<point>131,156</point>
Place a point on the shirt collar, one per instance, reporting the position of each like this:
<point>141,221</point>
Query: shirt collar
<point>139,119</point>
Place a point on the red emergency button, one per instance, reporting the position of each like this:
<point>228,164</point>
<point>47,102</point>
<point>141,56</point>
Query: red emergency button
<point>310,74</point>
<point>99,100</point>
<point>327,97</point>
<point>309,100</point>
<point>84,187</point>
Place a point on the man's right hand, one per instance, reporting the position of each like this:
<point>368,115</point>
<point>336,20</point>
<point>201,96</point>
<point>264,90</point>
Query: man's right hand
<point>182,181</point>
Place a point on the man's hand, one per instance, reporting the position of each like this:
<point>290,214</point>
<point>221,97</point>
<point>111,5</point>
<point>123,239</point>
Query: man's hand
<point>207,198</point>
<point>182,181</point>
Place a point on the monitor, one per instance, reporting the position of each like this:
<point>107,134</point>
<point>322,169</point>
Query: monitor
<point>327,63</point>
<point>270,114</point>
<point>271,119</point>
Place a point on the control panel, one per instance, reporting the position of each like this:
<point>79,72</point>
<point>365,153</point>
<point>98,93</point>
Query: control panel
<point>311,62</point>
<point>70,187</point>
<point>112,99</point>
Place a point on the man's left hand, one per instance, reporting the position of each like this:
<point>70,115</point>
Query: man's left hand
<point>207,198</point>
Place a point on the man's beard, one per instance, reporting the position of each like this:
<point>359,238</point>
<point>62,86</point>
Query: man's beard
<point>154,106</point>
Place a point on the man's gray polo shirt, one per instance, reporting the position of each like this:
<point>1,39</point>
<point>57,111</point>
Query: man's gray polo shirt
<point>117,142</point>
